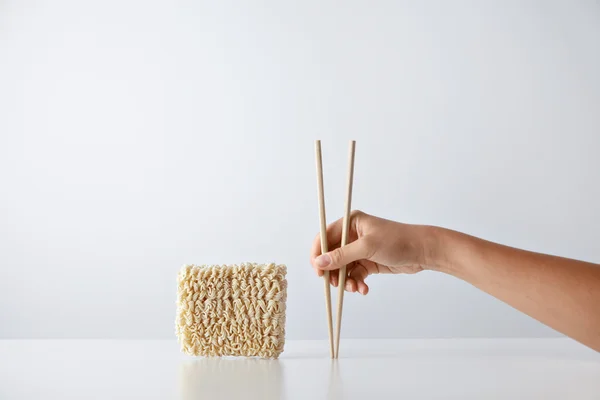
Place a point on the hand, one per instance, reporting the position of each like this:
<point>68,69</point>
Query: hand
<point>375,246</point>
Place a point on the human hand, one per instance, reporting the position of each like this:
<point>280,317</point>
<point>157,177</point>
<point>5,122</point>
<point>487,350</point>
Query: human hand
<point>375,246</point>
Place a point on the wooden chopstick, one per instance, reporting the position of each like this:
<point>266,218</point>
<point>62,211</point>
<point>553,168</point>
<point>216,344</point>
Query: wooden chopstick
<point>345,231</point>
<point>323,230</point>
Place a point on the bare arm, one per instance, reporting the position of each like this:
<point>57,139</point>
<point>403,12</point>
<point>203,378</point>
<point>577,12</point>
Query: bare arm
<point>559,292</point>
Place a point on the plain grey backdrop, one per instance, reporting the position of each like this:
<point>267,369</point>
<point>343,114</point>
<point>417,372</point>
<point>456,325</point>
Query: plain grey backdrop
<point>136,136</point>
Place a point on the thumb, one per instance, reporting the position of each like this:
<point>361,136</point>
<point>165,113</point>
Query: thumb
<point>339,257</point>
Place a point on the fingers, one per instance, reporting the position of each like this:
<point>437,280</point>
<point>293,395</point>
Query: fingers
<point>350,285</point>
<point>353,286</point>
<point>345,255</point>
<point>334,234</point>
<point>355,281</point>
<point>334,278</point>
<point>334,237</point>
<point>363,288</point>
<point>358,274</point>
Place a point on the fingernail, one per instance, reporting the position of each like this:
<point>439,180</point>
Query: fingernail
<point>323,260</point>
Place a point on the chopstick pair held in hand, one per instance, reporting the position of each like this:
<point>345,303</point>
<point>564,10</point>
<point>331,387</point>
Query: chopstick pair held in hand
<point>334,346</point>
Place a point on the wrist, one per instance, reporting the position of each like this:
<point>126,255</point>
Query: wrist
<point>441,247</point>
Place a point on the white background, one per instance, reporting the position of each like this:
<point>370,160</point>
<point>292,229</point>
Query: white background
<point>136,136</point>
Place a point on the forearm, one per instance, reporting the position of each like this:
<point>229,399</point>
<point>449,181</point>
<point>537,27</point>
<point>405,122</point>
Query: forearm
<point>561,293</point>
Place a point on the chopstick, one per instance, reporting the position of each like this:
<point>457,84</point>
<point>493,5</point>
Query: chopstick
<point>323,231</point>
<point>345,231</point>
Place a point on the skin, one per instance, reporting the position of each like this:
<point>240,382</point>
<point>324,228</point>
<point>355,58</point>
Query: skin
<point>559,292</point>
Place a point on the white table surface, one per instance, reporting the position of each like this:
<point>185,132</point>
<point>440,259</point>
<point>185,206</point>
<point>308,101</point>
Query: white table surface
<point>367,369</point>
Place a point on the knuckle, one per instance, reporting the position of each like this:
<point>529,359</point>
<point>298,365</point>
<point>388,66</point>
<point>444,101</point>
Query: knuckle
<point>337,255</point>
<point>356,213</point>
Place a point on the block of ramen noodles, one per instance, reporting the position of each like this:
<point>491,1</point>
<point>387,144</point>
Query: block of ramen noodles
<point>231,310</point>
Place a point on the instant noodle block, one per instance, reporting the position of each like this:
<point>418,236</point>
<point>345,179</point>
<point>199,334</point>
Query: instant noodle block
<point>232,310</point>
